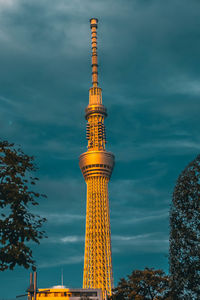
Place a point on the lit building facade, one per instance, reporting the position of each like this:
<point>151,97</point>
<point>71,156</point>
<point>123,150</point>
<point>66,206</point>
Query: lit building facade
<point>96,165</point>
<point>62,293</point>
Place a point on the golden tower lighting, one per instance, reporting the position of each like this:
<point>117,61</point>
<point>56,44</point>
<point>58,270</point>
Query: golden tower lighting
<point>96,165</point>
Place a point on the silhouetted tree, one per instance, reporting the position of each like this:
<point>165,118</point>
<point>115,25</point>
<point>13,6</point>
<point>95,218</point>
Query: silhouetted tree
<point>143,284</point>
<point>18,225</point>
<point>185,234</point>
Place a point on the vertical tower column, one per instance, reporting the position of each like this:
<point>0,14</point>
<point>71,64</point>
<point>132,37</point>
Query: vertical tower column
<point>96,165</point>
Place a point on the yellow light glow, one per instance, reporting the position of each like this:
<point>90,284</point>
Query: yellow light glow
<point>96,165</point>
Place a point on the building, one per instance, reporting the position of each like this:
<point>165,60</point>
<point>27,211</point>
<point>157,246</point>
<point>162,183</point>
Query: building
<point>60,292</point>
<point>96,165</point>
<point>63,293</point>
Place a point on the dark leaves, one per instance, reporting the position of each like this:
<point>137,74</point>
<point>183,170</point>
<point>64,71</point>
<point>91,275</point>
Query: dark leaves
<point>143,284</point>
<point>185,234</point>
<point>18,225</point>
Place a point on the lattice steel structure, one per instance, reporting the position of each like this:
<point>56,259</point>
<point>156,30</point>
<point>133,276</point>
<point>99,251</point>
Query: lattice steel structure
<point>96,165</point>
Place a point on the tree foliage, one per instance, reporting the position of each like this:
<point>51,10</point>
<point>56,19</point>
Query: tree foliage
<point>18,225</point>
<point>142,285</point>
<point>185,234</point>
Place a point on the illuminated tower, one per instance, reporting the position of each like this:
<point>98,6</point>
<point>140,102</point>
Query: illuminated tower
<point>96,165</point>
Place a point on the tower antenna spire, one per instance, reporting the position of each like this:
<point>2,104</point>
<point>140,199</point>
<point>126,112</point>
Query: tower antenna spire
<point>93,26</point>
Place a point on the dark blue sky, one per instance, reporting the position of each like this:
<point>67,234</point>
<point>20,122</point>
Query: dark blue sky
<point>150,75</point>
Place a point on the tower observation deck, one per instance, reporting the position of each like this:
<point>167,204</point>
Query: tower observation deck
<point>96,165</point>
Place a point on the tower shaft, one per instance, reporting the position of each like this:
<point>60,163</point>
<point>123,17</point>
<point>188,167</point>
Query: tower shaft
<point>97,263</point>
<point>96,165</point>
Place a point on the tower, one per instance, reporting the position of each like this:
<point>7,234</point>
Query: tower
<point>96,165</point>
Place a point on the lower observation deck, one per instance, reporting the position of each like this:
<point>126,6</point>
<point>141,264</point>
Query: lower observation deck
<point>95,109</point>
<point>96,163</point>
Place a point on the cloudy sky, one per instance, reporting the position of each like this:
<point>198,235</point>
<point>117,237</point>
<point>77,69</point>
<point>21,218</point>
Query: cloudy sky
<point>150,76</point>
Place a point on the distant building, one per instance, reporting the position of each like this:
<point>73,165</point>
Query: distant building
<point>63,293</point>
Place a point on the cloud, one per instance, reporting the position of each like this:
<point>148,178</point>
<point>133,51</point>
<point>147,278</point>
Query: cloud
<point>60,218</point>
<point>183,85</point>
<point>120,238</point>
<point>7,101</point>
<point>125,192</point>
<point>61,262</point>
<point>146,217</point>
<point>8,3</point>
<point>145,150</point>
<point>72,239</point>
<point>145,243</point>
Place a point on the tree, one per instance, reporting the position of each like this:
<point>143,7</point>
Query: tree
<point>185,234</point>
<point>18,225</point>
<point>142,285</point>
